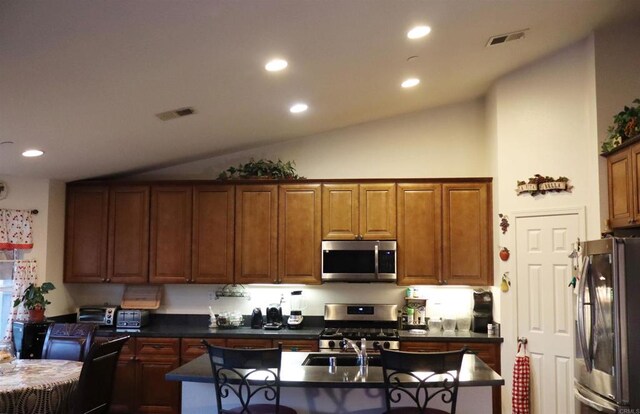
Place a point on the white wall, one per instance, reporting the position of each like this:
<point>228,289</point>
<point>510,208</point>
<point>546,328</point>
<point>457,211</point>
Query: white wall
<point>441,142</point>
<point>47,197</point>
<point>541,119</point>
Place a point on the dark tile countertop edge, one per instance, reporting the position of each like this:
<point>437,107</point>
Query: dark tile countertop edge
<point>475,373</point>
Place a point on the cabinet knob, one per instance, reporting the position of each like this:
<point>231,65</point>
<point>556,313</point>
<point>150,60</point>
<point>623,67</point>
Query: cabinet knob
<point>108,280</point>
<point>445,282</point>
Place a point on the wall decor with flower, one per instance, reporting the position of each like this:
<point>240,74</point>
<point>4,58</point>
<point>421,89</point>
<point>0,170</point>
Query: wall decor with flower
<point>539,184</point>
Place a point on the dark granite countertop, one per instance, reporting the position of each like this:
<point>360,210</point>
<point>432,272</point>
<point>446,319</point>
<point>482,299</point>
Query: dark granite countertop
<point>445,336</point>
<point>475,373</point>
<point>197,326</point>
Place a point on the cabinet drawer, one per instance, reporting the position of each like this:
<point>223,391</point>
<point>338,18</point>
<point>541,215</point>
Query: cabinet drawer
<point>249,343</point>
<point>299,345</point>
<point>423,346</point>
<point>192,347</point>
<point>489,353</point>
<point>160,347</point>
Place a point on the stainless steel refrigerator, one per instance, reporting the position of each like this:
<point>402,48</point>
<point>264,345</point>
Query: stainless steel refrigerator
<point>607,356</point>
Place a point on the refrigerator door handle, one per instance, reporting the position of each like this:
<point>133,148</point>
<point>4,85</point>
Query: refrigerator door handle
<point>598,407</point>
<point>582,339</point>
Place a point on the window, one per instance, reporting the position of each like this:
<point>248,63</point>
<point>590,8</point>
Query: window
<point>7,257</point>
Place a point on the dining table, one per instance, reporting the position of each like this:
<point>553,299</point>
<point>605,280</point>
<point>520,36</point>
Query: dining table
<point>43,386</point>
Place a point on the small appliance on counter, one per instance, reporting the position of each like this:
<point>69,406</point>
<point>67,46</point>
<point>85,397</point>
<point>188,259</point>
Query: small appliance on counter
<point>274,317</point>
<point>256,319</point>
<point>132,318</point>
<point>482,310</point>
<point>103,315</point>
<point>295,315</point>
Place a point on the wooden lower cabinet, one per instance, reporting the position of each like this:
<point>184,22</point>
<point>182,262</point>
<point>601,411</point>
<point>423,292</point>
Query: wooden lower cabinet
<point>488,352</point>
<point>140,386</point>
<point>298,345</point>
<point>192,348</point>
<point>246,343</point>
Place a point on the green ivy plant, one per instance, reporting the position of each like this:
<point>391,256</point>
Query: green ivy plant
<point>33,296</point>
<point>626,124</point>
<point>262,169</point>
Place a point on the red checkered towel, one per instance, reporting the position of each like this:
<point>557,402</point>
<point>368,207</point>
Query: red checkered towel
<point>521,375</point>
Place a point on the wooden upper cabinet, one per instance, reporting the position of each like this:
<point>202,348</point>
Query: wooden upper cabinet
<point>170,250</point>
<point>299,234</point>
<point>359,211</point>
<point>256,244</point>
<point>419,234</point>
<point>86,234</point>
<point>621,186</point>
<point>467,234</point>
<point>635,158</point>
<point>213,234</point>
<point>378,211</point>
<point>340,211</point>
<point>128,253</point>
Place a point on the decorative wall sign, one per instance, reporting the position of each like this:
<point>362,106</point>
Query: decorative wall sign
<point>539,184</point>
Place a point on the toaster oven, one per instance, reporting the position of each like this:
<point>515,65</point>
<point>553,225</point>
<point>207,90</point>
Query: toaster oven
<point>104,315</point>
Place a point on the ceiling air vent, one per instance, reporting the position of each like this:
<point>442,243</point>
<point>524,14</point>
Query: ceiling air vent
<point>176,113</point>
<point>507,37</point>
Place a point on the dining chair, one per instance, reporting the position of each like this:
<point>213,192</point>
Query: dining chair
<point>414,380</point>
<point>93,394</point>
<point>70,341</point>
<point>241,374</point>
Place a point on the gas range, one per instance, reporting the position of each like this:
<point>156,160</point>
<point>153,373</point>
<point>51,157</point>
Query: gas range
<point>377,323</point>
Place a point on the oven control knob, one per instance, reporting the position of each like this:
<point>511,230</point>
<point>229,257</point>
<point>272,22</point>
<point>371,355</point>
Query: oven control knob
<point>359,344</point>
<point>376,344</point>
<point>332,344</point>
<point>386,345</point>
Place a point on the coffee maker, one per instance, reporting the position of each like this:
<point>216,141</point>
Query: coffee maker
<point>482,310</point>
<point>295,315</point>
<point>274,317</point>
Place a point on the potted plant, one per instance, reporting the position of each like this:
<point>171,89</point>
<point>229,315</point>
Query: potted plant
<point>626,125</point>
<point>34,301</point>
<point>262,169</point>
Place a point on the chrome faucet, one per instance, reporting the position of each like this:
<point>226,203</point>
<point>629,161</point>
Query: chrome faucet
<point>361,352</point>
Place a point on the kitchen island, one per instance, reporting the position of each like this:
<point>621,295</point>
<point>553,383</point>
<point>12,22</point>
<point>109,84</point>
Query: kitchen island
<point>313,389</point>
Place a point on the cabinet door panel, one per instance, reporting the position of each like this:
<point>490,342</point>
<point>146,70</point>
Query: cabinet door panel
<point>419,234</point>
<point>620,189</point>
<point>128,234</point>
<point>154,393</point>
<point>213,234</point>
<point>467,242</point>
<point>123,395</point>
<point>378,211</point>
<point>86,234</point>
<point>170,234</point>
<point>340,211</point>
<point>256,253</point>
<point>298,345</point>
<point>299,235</point>
<point>635,157</point>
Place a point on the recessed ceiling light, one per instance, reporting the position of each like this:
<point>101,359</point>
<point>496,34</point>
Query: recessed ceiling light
<point>276,65</point>
<point>299,107</point>
<point>418,32</point>
<point>32,153</point>
<point>410,83</point>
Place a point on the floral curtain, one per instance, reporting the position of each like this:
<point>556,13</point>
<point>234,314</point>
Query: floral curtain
<point>15,229</point>
<point>24,273</point>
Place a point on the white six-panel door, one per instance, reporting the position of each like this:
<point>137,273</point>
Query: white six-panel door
<point>545,307</point>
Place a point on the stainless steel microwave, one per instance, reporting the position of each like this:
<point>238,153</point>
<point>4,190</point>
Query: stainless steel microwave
<point>104,315</point>
<point>359,261</point>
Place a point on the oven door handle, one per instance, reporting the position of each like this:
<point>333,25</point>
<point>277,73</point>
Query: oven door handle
<point>376,255</point>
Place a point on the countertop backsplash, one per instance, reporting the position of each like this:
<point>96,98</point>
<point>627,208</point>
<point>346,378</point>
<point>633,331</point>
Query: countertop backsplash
<point>442,301</point>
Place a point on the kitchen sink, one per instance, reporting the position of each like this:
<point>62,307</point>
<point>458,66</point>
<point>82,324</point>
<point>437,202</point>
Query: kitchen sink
<point>342,360</point>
